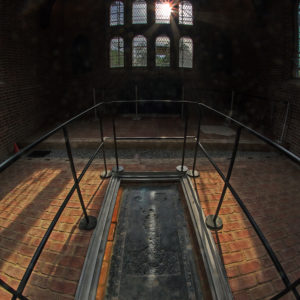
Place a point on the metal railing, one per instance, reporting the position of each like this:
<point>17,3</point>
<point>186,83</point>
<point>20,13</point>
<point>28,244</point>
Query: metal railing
<point>89,222</point>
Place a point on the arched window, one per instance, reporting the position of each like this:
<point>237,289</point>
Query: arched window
<point>139,12</point>
<point>117,13</point>
<point>163,11</point>
<point>162,51</point>
<point>185,13</point>
<point>139,51</point>
<point>185,52</point>
<point>117,52</point>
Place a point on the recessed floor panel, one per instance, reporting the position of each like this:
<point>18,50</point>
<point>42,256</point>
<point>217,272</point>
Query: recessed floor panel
<point>153,256</point>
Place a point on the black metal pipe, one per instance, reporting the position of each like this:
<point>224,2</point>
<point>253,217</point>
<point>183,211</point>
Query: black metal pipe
<point>102,140</point>
<point>152,138</point>
<point>263,239</point>
<point>115,143</point>
<point>5,164</point>
<point>12,291</point>
<point>212,162</point>
<point>261,236</point>
<point>184,138</point>
<point>43,242</point>
<point>90,161</point>
<point>232,161</point>
<point>289,154</point>
<point>288,289</point>
<point>197,141</point>
<point>69,151</point>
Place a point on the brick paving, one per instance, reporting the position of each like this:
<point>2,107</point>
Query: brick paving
<point>31,192</point>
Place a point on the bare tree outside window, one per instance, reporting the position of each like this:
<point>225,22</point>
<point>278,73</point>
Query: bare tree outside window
<point>139,12</point>
<point>185,52</point>
<point>117,52</point>
<point>139,51</point>
<point>162,51</point>
<point>163,11</point>
<point>185,13</point>
<point>117,13</point>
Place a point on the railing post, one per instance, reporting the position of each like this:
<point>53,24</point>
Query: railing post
<point>214,222</point>
<point>106,173</point>
<point>117,168</point>
<point>88,222</point>
<point>194,173</point>
<point>136,117</point>
<point>182,167</point>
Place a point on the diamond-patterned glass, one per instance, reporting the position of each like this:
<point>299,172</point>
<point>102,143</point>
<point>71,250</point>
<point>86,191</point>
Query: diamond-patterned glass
<point>117,52</point>
<point>185,13</point>
<point>139,51</point>
<point>139,12</point>
<point>185,52</point>
<point>162,51</point>
<point>162,12</point>
<point>117,13</point>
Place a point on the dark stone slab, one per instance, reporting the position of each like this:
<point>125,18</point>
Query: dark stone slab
<point>152,257</point>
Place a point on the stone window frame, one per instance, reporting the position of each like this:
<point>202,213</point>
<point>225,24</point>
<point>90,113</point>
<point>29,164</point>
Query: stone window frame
<point>120,14</point>
<point>139,36</point>
<point>136,2</point>
<point>163,36</point>
<point>181,53</point>
<point>181,18</point>
<point>122,63</point>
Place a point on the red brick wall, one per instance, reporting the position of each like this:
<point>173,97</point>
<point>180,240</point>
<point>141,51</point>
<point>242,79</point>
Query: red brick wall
<point>267,68</point>
<point>26,76</point>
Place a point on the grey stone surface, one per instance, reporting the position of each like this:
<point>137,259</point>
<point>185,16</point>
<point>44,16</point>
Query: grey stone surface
<point>153,256</point>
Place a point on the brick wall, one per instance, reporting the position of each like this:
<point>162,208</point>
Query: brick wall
<point>26,79</point>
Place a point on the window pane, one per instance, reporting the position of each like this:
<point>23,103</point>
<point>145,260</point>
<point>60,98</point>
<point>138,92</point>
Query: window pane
<point>117,13</point>
<point>139,12</point>
<point>185,13</point>
<point>185,52</point>
<point>162,12</point>
<point>162,49</point>
<point>139,51</point>
<point>117,53</point>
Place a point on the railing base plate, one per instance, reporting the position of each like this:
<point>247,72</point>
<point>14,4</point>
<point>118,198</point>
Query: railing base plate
<point>191,174</point>
<point>83,225</point>
<point>104,175</point>
<point>182,168</point>
<point>119,170</point>
<point>214,225</point>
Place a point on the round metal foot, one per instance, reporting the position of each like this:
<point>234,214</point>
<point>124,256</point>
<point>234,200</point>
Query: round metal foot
<point>119,170</point>
<point>190,173</point>
<point>104,175</point>
<point>182,169</point>
<point>214,225</point>
<point>90,225</point>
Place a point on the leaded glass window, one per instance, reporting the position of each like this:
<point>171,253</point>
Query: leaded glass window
<point>162,51</point>
<point>139,51</point>
<point>162,12</point>
<point>185,52</point>
<point>139,12</point>
<point>117,13</point>
<point>117,52</point>
<point>185,13</point>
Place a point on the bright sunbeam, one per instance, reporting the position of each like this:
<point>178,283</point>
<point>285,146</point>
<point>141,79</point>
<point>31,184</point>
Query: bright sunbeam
<point>166,10</point>
<point>163,12</point>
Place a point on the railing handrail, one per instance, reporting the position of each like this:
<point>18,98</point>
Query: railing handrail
<point>226,179</point>
<point>16,156</point>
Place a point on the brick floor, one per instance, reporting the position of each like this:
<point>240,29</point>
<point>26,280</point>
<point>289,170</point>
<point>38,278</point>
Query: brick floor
<point>31,192</point>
